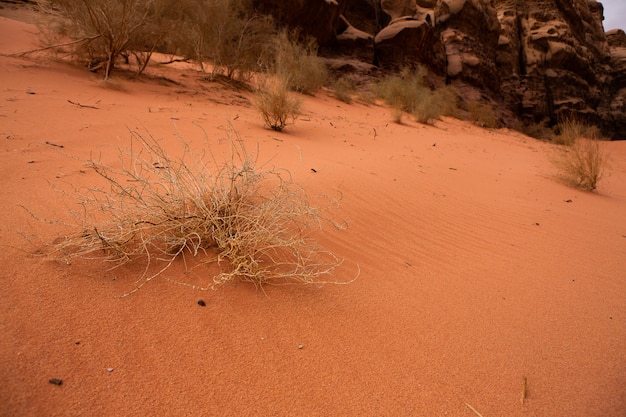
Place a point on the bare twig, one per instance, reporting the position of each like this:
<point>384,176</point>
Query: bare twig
<point>474,410</point>
<point>54,144</point>
<point>59,45</point>
<point>82,105</point>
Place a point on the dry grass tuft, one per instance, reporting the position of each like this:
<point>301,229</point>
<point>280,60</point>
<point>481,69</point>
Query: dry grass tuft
<point>483,114</point>
<point>343,89</point>
<point>296,62</point>
<point>407,92</point>
<point>583,163</point>
<point>570,129</point>
<point>277,104</point>
<point>253,223</point>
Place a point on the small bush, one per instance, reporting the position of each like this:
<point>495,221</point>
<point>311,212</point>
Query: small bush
<point>297,63</point>
<point>158,208</point>
<point>103,31</point>
<point>343,89</point>
<point>535,130</point>
<point>407,93</point>
<point>570,129</point>
<point>277,105</point>
<point>583,163</point>
<point>483,114</point>
<point>226,33</point>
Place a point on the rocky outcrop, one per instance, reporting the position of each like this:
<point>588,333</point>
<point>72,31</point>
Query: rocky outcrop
<point>469,31</point>
<point>543,59</point>
<point>613,112</point>
<point>553,58</point>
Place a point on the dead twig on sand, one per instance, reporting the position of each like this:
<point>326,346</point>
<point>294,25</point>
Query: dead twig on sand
<point>82,105</point>
<point>54,144</point>
<point>474,410</point>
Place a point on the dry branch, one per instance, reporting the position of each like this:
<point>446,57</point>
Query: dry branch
<point>59,45</point>
<point>82,105</point>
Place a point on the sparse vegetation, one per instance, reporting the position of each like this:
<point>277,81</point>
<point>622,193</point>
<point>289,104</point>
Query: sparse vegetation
<point>251,222</point>
<point>569,129</point>
<point>296,62</point>
<point>106,30</point>
<point>277,104</point>
<point>343,89</point>
<point>225,33</point>
<point>534,130</point>
<point>583,163</point>
<point>407,92</point>
<point>483,114</point>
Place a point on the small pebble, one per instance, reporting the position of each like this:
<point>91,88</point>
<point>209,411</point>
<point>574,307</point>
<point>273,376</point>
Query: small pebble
<point>201,303</point>
<point>300,346</point>
<point>109,369</point>
<point>55,381</point>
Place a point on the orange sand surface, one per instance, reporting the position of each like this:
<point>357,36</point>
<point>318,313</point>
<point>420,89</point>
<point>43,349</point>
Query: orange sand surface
<point>478,267</point>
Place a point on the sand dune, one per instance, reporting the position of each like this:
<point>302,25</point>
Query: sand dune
<point>478,267</point>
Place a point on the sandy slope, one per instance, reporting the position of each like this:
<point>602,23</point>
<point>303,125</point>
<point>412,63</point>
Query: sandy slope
<point>478,268</point>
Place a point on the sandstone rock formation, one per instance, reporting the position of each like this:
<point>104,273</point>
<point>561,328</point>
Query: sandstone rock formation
<point>544,59</point>
<point>614,111</point>
<point>553,58</point>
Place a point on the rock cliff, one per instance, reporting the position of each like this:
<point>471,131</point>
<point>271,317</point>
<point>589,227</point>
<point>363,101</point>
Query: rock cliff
<point>544,59</point>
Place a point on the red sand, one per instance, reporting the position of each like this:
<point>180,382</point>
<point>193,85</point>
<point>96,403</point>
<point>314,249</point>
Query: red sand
<point>476,271</point>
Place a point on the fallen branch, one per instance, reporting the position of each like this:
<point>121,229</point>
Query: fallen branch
<point>54,144</point>
<point>82,105</point>
<point>32,51</point>
<point>474,410</point>
<point>173,60</point>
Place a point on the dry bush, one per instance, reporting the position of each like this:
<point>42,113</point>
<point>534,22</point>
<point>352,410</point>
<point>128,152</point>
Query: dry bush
<point>226,33</point>
<point>483,114</point>
<point>343,89</point>
<point>534,130</point>
<point>407,92</point>
<point>296,62</point>
<point>103,31</point>
<point>277,104</point>
<point>570,129</point>
<point>252,222</point>
<point>583,163</point>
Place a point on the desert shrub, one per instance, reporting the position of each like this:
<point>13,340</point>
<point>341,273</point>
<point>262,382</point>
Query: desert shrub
<point>583,163</point>
<point>407,92</point>
<point>226,33</point>
<point>251,222</point>
<point>296,62</point>
<point>343,89</point>
<point>534,130</point>
<point>276,103</point>
<point>103,31</point>
<point>482,114</point>
<point>569,129</point>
